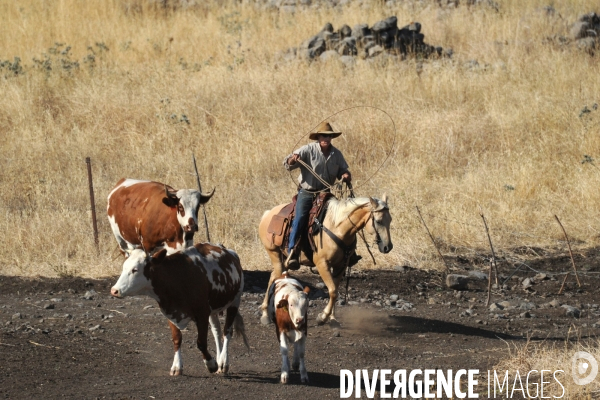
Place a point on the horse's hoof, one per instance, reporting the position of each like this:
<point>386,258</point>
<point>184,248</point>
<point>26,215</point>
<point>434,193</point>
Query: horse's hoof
<point>176,372</point>
<point>321,319</point>
<point>265,320</point>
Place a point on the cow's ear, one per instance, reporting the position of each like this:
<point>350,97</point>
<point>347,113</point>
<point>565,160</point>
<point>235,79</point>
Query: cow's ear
<point>170,201</point>
<point>306,289</point>
<point>282,303</point>
<point>157,257</point>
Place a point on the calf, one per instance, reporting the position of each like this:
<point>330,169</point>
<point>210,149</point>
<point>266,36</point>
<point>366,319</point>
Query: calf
<point>288,309</point>
<point>193,285</point>
<point>152,216</point>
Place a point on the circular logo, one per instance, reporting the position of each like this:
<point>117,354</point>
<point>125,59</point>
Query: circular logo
<point>584,368</point>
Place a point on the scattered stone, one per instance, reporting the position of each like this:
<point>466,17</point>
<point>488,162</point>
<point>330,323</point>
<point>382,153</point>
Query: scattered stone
<point>94,328</point>
<point>525,315</point>
<point>554,303</point>
<point>457,282</point>
<point>336,333</point>
<point>540,277</point>
<point>320,285</point>
<point>495,306</point>
<point>572,311</point>
<point>404,305</point>
<point>431,301</point>
<point>526,305</point>
<point>48,306</point>
<point>148,306</point>
<point>56,300</point>
<point>478,275</point>
<point>17,316</point>
<point>467,313</point>
<point>394,297</point>
<point>527,283</point>
<point>505,304</point>
<point>90,295</point>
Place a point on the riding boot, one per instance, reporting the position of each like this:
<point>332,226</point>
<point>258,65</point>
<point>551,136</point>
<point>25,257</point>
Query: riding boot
<point>292,262</point>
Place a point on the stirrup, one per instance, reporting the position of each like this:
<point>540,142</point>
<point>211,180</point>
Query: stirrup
<point>292,262</point>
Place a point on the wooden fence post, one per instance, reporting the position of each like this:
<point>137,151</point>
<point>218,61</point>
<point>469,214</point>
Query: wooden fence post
<point>92,202</point>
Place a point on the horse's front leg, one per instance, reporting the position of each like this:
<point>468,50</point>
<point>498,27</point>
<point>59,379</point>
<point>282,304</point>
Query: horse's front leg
<point>332,286</point>
<point>275,257</point>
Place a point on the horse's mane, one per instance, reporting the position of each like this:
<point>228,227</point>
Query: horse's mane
<point>338,210</point>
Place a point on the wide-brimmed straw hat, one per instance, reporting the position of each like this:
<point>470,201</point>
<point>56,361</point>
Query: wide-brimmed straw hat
<point>324,129</point>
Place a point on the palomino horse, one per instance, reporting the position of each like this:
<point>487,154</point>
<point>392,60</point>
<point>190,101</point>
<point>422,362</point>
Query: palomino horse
<point>344,219</point>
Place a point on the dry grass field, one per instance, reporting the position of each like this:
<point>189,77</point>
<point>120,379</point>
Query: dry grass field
<point>139,89</point>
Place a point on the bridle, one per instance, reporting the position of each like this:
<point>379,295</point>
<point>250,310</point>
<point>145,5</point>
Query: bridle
<point>372,218</point>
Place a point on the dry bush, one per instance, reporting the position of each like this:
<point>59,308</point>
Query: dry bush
<point>549,357</point>
<point>138,88</point>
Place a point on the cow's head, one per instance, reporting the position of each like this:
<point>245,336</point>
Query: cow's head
<point>187,202</point>
<point>296,303</point>
<point>135,277</point>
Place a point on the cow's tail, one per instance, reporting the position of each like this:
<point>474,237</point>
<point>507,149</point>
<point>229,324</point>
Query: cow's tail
<point>238,328</point>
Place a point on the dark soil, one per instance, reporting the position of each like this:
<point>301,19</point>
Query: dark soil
<point>55,343</point>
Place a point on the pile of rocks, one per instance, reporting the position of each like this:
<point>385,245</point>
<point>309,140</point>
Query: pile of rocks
<point>364,42</point>
<point>586,31</point>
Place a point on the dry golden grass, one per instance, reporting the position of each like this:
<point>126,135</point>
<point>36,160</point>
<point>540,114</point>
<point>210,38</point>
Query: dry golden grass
<point>464,137</point>
<point>549,357</point>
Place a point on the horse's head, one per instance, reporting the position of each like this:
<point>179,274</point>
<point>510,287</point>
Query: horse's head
<point>379,224</point>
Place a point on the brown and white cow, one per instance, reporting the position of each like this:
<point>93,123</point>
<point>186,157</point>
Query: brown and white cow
<point>288,309</point>
<point>152,216</point>
<point>192,285</point>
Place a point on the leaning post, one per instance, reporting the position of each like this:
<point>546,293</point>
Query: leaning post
<point>92,202</point>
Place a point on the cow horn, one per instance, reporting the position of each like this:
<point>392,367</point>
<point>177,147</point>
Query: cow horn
<point>206,197</point>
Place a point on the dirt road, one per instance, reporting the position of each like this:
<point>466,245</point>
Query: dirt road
<point>69,338</point>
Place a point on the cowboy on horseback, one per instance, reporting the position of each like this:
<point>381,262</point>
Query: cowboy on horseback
<point>329,164</point>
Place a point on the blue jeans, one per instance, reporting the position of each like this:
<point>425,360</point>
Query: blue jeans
<point>303,206</point>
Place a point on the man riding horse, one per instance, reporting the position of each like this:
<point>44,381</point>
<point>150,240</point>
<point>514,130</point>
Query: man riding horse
<point>333,245</point>
<point>328,164</point>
